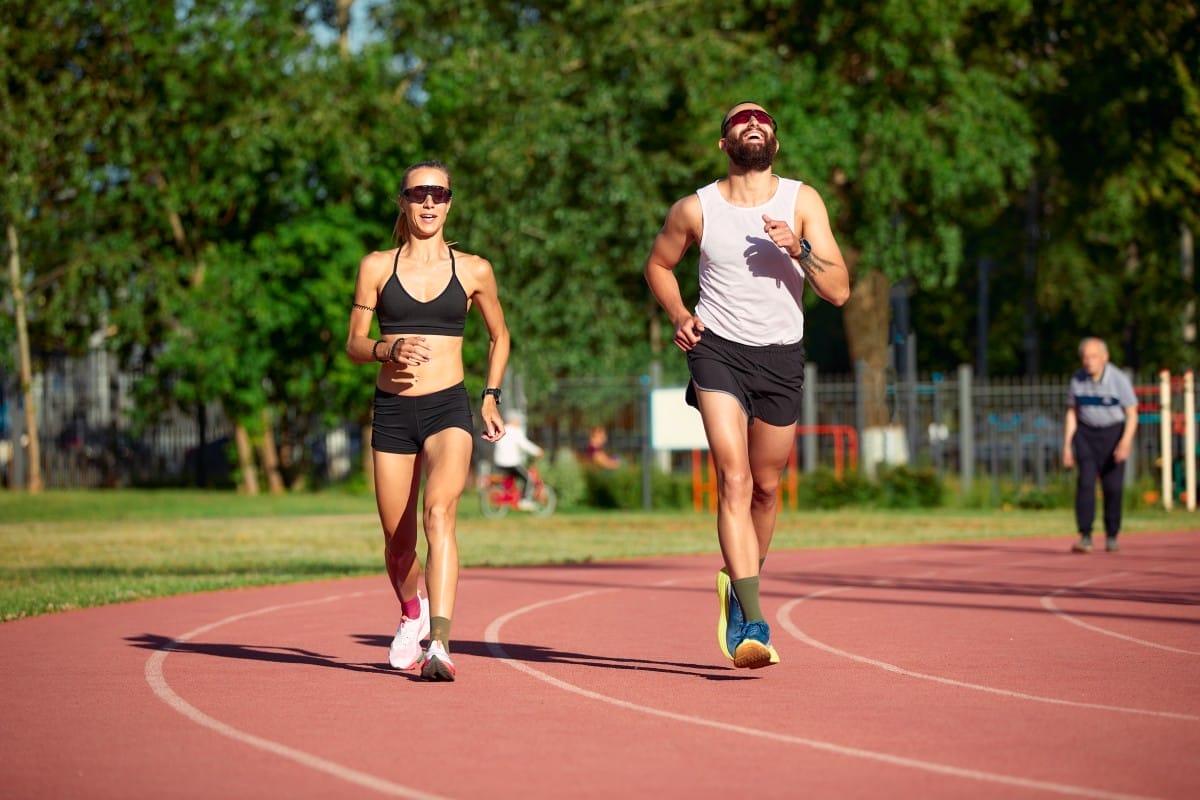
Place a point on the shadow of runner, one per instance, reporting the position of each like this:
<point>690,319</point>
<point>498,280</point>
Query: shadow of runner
<point>268,653</point>
<point>516,652</point>
<point>537,654</point>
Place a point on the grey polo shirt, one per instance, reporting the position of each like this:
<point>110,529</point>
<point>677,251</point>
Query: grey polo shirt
<point>1099,404</point>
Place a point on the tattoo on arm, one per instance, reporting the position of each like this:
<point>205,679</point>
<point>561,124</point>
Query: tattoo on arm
<point>364,308</point>
<point>814,265</point>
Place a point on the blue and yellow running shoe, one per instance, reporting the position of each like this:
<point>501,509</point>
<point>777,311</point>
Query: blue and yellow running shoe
<point>754,651</point>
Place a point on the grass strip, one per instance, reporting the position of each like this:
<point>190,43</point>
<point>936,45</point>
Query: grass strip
<point>68,550</point>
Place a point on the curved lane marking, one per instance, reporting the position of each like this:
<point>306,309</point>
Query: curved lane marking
<point>784,617</point>
<point>154,677</point>
<point>496,647</point>
<point>1048,604</point>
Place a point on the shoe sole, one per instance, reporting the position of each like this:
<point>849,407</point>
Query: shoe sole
<point>723,589</point>
<point>434,669</point>
<point>752,654</point>
<point>1078,548</point>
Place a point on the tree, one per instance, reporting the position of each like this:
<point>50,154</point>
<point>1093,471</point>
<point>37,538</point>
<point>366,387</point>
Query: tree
<point>597,117</point>
<point>250,154</point>
<point>47,144</point>
<point>1119,112</point>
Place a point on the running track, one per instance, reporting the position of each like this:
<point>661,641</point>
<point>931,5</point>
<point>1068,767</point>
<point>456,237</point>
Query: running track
<point>984,670</point>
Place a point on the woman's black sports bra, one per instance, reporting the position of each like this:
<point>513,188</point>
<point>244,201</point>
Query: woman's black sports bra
<point>399,312</point>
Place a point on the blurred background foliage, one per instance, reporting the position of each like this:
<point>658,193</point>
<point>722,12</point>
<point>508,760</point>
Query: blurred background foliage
<point>191,184</point>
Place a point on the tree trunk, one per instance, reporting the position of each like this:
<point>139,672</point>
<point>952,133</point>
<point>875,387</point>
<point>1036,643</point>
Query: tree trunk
<point>866,316</point>
<point>343,28</point>
<point>31,429</point>
<point>270,456</point>
<point>246,464</point>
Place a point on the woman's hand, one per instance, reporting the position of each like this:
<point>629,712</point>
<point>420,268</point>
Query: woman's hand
<point>409,351</point>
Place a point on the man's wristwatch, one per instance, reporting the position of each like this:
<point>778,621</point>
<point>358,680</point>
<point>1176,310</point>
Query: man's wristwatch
<point>805,251</point>
<point>493,392</point>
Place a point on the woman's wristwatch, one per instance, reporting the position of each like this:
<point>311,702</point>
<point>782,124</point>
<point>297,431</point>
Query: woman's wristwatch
<point>493,392</point>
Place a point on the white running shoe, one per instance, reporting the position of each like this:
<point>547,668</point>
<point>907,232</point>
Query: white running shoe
<point>436,664</point>
<point>405,652</point>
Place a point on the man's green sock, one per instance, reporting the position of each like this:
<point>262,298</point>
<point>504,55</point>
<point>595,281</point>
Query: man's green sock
<point>746,590</point>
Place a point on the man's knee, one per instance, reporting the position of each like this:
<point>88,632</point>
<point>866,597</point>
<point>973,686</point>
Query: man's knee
<point>736,485</point>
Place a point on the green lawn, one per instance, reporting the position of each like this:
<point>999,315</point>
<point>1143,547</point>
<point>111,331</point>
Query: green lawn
<point>74,549</point>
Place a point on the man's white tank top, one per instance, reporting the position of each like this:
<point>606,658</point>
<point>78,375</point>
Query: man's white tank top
<point>751,290</point>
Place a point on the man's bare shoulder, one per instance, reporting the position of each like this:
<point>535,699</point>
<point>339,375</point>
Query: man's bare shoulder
<point>686,213</point>
<point>809,203</point>
<point>808,194</point>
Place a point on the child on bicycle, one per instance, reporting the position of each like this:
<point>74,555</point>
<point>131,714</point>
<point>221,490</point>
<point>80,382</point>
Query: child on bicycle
<point>510,452</point>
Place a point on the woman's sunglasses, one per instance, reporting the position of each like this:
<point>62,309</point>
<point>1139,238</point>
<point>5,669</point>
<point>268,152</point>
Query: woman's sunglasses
<point>745,115</point>
<point>417,194</point>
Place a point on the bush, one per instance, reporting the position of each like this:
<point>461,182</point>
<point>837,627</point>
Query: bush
<point>566,476</point>
<point>905,487</point>
<point>822,489</point>
<point>621,488</point>
<point>1055,494</point>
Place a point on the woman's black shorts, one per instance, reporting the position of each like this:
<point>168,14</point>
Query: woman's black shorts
<point>767,381</point>
<point>403,422</point>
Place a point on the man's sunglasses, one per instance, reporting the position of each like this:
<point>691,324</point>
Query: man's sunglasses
<point>417,194</point>
<point>744,116</point>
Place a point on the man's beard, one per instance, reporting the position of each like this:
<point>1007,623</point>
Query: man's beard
<point>756,156</point>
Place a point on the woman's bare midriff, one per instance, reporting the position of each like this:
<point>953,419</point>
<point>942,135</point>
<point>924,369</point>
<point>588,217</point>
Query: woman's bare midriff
<point>443,369</point>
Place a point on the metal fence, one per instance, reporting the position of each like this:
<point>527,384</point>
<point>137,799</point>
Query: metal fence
<point>960,426</point>
<point>999,428</point>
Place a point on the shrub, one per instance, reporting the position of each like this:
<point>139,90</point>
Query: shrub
<point>822,489</point>
<point>567,477</point>
<point>621,488</point>
<point>906,487</point>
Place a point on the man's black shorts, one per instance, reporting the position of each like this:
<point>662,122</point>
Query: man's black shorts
<point>767,381</point>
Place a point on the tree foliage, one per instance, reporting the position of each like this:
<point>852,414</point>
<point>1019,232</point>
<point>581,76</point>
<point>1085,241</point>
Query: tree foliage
<point>197,181</point>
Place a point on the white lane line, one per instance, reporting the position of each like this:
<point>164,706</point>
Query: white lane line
<point>785,621</point>
<point>1048,604</point>
<point>496,647</point>
<point>158,683</point>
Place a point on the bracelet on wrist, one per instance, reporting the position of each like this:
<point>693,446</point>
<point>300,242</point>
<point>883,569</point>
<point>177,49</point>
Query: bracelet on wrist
<point>375,351</point>
<point>392,351</point>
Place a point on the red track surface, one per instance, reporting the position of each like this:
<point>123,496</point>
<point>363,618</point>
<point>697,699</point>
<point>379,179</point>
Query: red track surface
<point>1003,669</point>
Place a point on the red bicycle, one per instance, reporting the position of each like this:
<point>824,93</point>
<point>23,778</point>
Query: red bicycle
<point>499,493</point>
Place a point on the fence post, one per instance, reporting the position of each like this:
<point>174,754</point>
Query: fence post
<point>1164,401</point>
<point>966,427</point>
<point>647,456</point>
<point>808,416</point>
<point>1189,439</point>
<point>860,403</point>
<point>910,382</point>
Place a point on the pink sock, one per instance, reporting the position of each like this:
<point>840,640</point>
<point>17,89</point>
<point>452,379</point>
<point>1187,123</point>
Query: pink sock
<point>411,608</point>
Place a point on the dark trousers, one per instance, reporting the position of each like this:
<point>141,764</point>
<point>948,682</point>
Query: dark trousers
<point>1093,448</point>
<point>521,474</point>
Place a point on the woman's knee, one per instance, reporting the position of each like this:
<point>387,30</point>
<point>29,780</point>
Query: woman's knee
<point>766,495</point>
<point>399,546</point>
<point>440,516</point>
